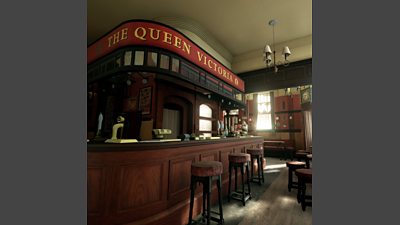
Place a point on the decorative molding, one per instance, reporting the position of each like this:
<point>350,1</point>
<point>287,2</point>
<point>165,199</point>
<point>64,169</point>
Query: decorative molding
<point>185,24</point>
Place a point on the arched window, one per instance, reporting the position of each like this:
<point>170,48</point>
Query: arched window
<point>205,120</point>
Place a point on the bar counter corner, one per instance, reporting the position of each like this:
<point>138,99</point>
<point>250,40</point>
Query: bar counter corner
<point>149,183</point>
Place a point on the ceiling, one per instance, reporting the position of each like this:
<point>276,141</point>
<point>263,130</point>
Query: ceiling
<point>233,28</point>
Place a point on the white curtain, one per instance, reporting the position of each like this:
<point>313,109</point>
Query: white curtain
<point>308,128</point>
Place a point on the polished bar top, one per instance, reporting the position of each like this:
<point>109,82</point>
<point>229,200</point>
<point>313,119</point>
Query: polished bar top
<point>150,145</point>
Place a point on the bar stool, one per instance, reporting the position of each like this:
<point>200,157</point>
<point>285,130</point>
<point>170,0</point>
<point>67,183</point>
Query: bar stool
<point>304,176</point>
<point>239,160</point>
<point>301,155</point>
<point>293,165</point>
<point>205,172</point>
<point>257,154</point>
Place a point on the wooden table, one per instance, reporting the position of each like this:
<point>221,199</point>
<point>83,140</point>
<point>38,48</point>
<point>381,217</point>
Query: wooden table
<point>274,142</point>
<point>281,144</point>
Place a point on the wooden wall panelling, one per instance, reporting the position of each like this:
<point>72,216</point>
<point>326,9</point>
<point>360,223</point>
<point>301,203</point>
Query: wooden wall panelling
<point>209,156</point>
<point>96,194</point>
<point>296,74</point>
<point>149,170</point>
<point>225,164</point>
<point>179,178</point>
<point>296,102</point>
<point>223,155</point>
<point>298,120</point>
<point>299,138</point>
<point>141,188</point>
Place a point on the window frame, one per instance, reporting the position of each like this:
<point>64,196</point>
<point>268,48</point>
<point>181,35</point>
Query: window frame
<point>205,118</point>
<point>268,105</point>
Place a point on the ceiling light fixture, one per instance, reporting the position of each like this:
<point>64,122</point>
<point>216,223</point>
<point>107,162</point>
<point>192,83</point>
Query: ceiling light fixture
<point>268,52</point>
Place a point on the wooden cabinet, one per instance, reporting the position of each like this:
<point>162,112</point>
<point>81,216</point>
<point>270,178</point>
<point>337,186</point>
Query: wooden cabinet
<point>296,102</point>
<point>282,103</point>
<point>288,114</point>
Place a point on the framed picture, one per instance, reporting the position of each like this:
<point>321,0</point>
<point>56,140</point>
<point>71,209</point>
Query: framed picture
<point>130,104</point>
<point>305,95</point>
<point>145,100</point>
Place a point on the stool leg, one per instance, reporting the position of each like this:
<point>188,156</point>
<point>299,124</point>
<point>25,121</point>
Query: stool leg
<point>204,214</point>
<point>229,186</point>
<point>290,179</point>
<point>244,193</point>
<point>262,168</point>
<point>299,184</point>
<point>208,184</point>
<point>303,197</point>
<point>192,189</point>
<point>235,178</point>
<point>259,169</point>
<point>252,168</point>
<point>248,180</point>
<point>221,215</point>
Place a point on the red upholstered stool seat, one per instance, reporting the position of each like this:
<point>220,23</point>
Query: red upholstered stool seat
<point>206,168</point>
<point>293,165</point>
<point>239,157</point>
<point>257,154</point>
<point>304,176</point>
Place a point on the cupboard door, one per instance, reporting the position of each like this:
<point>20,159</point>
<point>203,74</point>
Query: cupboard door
<point>281,121</point>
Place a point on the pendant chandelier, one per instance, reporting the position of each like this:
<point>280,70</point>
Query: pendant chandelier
<point>269,55</point>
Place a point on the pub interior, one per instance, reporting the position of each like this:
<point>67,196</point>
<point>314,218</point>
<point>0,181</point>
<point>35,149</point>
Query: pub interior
<point>174,132</point>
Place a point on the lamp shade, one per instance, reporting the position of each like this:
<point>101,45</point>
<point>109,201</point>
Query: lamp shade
<point>267,49</point>
<point>268,59</point>
<point>286,51</point>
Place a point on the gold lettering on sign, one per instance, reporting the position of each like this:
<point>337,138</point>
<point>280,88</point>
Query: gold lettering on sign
<point>230,76</point>
<point>224,73</point>
<point>109,41</point>
<point>220,70</point>
<point>199,56</point>
<point>215,66</point>
<point>208,63</point>
<point>177,42</point>
<point>124,34</point>
<point>167,38</point>
<point>116,38</point>
<point>173,40</point>
<point>186,47</point>
<point>152,34</point>
<point>140,33</point>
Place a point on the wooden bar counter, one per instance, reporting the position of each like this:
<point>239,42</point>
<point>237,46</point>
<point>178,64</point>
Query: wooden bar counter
<point>148,183</point>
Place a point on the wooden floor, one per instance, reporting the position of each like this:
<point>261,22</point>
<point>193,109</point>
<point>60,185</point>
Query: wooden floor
<point>272,204</point>
<point>277,206</point>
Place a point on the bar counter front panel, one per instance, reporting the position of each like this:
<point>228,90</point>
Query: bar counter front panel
<point>149,183</point>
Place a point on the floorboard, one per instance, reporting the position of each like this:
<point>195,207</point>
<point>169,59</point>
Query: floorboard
<point>272,203</point>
